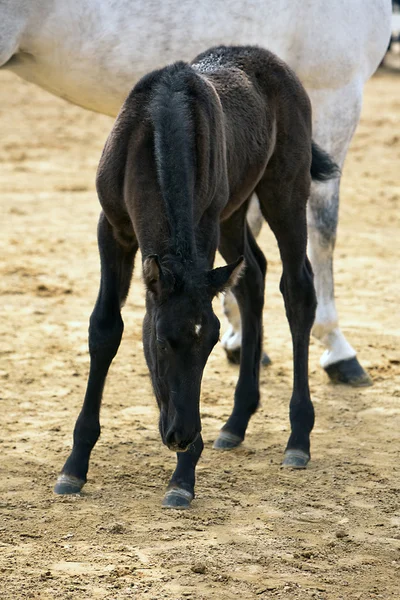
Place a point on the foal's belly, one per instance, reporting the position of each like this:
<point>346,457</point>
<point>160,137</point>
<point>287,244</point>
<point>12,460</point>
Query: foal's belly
<point>93,53</point>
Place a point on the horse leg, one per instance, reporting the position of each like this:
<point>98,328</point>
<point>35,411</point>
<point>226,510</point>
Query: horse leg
<point>180,490</point>
<point>105,332</point>
<point>286,215</point>
<point>232,339</point>
<point>237,239</point>
<point>335,117</point>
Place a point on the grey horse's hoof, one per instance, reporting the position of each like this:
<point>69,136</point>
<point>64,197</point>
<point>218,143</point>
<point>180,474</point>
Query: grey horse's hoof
<point>295,459</point>
<point>227,441</point>
<point>233,357</point>
<point>349,372</point>
<point>68,484</point>
<point>177,498</point>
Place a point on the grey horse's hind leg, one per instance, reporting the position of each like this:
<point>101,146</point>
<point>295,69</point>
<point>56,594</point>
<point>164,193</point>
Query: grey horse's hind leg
<point>335,118</point>
<point>232,339</point>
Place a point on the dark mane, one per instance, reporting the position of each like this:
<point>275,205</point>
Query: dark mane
<point>174,143</point>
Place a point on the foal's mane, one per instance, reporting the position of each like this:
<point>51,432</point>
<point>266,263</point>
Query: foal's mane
<point>174,146</point>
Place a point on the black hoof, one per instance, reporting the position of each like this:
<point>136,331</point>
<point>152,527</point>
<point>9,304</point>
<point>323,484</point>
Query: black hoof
<point>177,498</point>
<point>295,459</point>
<point>227,441</point>
<point>68,484</point>
<point>265,360</point>
<point>233,357</point>
<point>349,372</point>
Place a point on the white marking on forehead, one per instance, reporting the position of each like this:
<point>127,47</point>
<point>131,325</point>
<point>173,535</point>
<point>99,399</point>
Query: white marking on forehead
<point>197,329</point>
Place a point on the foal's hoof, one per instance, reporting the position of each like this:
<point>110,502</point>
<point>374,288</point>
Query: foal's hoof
<point>68,484</point>
<point>227,441</point>
<point>233,357</point>
<point>177,498</point>
<point>349,372</point>
<point>295,459</point>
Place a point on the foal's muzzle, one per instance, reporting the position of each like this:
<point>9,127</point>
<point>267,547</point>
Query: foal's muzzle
<point>177,443</point>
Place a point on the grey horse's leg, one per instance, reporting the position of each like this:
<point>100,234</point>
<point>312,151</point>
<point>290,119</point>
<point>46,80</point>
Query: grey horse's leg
<point>336,115</point>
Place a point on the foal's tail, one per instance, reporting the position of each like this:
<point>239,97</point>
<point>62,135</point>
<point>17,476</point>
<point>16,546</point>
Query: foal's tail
<point>322,165</point>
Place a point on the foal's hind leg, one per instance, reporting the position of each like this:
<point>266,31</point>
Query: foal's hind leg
<point>237,239</point>
<point>105,332</point>
<point>286,215</point>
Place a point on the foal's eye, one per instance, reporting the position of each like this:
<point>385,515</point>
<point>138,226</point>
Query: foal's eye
<point>161,345</point>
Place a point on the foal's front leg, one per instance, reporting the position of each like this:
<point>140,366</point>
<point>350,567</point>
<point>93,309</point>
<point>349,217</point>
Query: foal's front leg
<point>237,239</point>
<point>105,332</point>
<point>180,490</point>
<point>232,339</point>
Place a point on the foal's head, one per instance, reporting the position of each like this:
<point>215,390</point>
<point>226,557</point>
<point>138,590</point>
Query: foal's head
<point>179,331</point>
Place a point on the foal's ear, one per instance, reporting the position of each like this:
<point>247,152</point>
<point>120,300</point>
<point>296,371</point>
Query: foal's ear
<point>222,278</point>
<point>152,271</point>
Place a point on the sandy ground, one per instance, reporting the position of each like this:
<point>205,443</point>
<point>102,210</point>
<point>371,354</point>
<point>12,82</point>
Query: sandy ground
<point>254,530</point>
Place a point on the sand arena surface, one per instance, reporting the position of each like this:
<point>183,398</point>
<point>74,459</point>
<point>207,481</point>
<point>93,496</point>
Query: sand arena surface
<point>254,531</point>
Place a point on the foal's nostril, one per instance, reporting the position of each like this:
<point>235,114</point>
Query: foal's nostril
<point>175,442</point>
<point>170,438</point>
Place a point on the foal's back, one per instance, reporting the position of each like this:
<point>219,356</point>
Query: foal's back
<point>246,111</point>
<point>267,115</point>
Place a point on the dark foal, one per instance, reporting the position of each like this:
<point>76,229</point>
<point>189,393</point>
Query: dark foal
<point>189,147</point>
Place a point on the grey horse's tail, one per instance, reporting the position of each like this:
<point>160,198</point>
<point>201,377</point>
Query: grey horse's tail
<point>322,165</point>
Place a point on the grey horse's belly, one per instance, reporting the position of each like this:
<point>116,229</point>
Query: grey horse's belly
<point>94,62</point>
